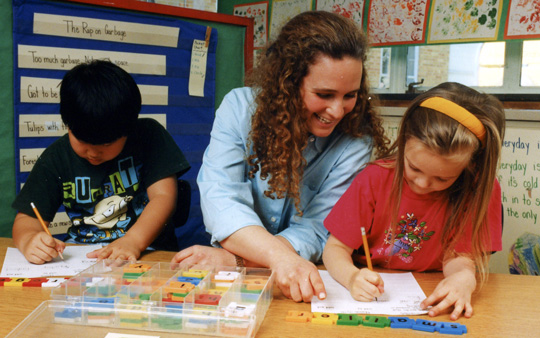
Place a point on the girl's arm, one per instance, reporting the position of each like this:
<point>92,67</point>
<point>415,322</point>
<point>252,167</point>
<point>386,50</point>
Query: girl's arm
<point>363,284</point>
<point>455,289</point>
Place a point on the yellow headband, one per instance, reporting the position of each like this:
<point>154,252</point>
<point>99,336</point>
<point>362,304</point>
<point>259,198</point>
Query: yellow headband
<point>458,113</point>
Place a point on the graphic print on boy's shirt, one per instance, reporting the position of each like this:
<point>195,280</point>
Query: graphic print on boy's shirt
<point>104,214</point>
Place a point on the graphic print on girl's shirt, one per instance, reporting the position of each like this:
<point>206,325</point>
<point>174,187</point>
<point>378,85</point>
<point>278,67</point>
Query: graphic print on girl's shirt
<point>409,239</point>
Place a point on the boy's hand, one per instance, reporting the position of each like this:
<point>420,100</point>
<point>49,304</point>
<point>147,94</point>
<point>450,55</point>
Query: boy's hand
<point>455,290</point>
<point>121,249</point>
<point>42,248</point>
<point>204,255</point>
<point>365,285</point>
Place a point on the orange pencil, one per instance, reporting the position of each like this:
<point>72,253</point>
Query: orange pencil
<point>366,249</point>
<point>42,222</point>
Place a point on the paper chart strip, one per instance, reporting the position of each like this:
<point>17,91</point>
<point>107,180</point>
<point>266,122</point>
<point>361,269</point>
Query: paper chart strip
<point>28,157</point>
<point>51,125</point>
<point>45,90</point>
<point>105,30</point>
<point>40,57</point>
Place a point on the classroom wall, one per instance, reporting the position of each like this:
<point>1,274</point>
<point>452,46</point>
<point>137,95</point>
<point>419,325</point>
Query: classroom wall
<point>7,153</point>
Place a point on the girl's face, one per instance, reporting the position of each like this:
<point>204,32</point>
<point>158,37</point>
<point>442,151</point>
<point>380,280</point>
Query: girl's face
<point>329,91</point>
<point>428,172</point>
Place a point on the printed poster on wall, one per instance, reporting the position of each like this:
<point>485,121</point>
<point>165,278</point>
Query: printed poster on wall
<point>353,9</point>
<point>464,20</point>
<point>397,22</point>
<point>283,11</point>
<point>523,20</point>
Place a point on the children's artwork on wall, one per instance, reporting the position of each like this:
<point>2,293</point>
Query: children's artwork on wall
<point>397,22</point>
<point>259,12</point>
<point>523,19</point>
<point>283,11</point>
<point>464,20</point>
<point>353,9</point>
<point>203,5</point>
<point>524,256</point>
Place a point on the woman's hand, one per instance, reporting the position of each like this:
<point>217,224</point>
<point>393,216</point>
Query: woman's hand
<point>298,278</point>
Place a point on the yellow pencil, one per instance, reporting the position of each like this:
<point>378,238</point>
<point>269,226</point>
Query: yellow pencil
<point>42,222</point>
<point>366,249</point>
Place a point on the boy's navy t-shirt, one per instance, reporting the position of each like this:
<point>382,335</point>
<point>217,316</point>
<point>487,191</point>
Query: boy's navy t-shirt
<point>102,201</point>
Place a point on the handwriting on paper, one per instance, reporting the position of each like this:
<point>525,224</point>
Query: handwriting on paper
<point>402,296</point>
<point>75,261</point>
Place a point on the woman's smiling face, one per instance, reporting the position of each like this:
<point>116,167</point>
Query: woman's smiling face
<point>330,90</point>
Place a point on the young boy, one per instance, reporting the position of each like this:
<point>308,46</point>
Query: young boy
<point>115,174</point>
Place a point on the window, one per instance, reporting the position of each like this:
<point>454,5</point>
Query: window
<point>509,67</point>
<point>530,64</point>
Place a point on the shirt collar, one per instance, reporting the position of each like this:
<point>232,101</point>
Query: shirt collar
<point>318,143</point>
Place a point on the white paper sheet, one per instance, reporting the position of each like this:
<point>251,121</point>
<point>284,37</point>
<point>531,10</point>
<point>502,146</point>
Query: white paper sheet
<point>402,296</point>
<point>75,261</point>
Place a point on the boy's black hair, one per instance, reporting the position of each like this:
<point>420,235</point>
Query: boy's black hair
<point>99,102</point>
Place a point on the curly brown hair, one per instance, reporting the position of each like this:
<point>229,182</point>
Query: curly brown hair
<point>279,132</point>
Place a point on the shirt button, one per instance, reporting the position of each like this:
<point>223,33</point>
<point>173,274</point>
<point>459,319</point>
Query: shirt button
<point>273,219</point>
<point>312,139</point>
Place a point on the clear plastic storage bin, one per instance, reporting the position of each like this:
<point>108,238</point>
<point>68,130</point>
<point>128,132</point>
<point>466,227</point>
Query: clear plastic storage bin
<point>126,297</point>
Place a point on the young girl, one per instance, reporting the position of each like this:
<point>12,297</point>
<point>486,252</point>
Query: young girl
<point>431,203</point>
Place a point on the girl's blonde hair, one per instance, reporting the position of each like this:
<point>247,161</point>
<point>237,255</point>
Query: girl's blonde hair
<point>279,132</point>
<point>469,196</point>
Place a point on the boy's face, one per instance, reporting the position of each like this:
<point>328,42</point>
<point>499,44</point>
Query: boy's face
<point>97,154</point>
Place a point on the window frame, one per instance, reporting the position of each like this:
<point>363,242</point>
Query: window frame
<point>510,90</point>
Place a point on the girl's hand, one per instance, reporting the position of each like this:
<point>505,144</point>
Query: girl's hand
<point>365,285</point>
<point>455,290</point>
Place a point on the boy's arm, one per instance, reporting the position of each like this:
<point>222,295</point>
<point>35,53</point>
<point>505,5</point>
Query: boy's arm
<point>455,289</point>
<point>34,243</point>
<point>363,284</point>
<point>161,206</point>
